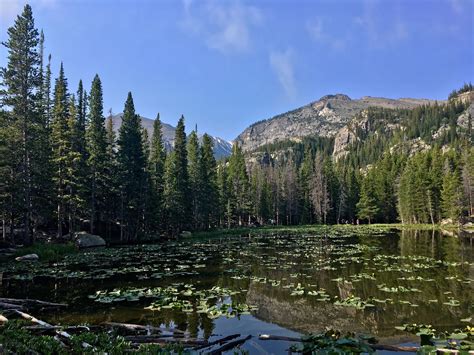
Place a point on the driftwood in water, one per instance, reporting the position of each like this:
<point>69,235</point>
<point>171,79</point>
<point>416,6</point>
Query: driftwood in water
<point>230,345</point>
<point>148,328</point>
<point>409,349</point>
<point>158,339</point>
<point>397,348</point>
<point>4,305</point>
<point>31,302</point>
<point>53,328</point>
<point>277,337</point>
<point>59,332</point>
<point>218,341</point>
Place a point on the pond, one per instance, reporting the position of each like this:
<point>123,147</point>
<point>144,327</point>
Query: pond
<point>366,280</point>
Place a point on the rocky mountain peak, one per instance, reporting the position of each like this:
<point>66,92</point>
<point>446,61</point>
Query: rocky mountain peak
<point>324,118</point>
<point>222,148</point>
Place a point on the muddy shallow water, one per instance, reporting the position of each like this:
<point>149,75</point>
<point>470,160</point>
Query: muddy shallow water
<point>360,280</point>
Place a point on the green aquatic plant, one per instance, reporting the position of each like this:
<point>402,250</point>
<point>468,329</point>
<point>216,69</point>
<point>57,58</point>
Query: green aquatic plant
<point>334,342</point>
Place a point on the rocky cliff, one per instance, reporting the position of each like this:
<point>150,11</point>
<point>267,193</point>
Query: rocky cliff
<point>325,117</point>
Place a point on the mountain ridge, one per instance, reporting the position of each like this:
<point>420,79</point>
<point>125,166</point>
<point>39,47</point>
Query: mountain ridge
<point>323,117</point>
<point>222,148</point>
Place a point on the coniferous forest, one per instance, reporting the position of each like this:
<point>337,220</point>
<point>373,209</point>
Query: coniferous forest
<point>63,167</point>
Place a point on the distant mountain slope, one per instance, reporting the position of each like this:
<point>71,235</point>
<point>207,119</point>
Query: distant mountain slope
<point>222,148</point>
<point>324,118</point>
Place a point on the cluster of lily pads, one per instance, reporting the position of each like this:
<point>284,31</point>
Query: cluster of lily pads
<point>214,302</point>
<point>431,339</point>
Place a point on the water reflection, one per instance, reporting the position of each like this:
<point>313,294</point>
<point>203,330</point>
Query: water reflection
<point>294,280</point>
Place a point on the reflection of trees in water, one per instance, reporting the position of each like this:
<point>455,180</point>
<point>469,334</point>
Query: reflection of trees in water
<point>306,314</point>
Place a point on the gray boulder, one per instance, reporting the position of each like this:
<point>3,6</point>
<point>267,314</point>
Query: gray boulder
<point>86,240</point>
<point>28,257</point>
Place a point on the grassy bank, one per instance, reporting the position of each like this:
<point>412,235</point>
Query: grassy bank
<point>48,252</point>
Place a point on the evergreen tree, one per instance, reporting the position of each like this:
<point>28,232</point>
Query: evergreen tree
<point>112,179</point>
<point>195,183</point>
<point>156,169</point>
<point>47,108</point>
<point>209,196</point>
<point>367,205</point>
<point>96,153</point>
<point>468,179</point>
<point>61,144</point>
<point>223,195</point>
<point>451,195</point>
<point>177,183</point>
<point>131,166</point>
<point>10,206</point>
<point>305,174</point>
<point>239,186</point>
<point>22,81</point>
<point>79,147</point>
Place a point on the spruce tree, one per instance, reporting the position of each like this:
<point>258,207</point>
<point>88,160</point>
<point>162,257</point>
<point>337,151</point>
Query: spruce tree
<point>209,196</point>
<point>451,195</point>
<point>61,144</point>
<point>195,184</point>
<point>177,183</point>
<point>74,178</point>
<point>156,169</point>
<point>96,154</point>
<point>239,186</point>
<point>112,179</point>
<point>131,167</point>
<point>367,205</point>
<point>22,82</point>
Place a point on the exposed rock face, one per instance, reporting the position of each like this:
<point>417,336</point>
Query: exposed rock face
<point>324,117</point>
<point>222,148</point>
<point>86,240</point>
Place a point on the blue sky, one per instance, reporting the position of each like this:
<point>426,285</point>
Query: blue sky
<point>225,64</point>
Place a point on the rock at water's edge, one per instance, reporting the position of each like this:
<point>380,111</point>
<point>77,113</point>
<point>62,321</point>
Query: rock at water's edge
<point>28,257</point>
<point>86,240</point>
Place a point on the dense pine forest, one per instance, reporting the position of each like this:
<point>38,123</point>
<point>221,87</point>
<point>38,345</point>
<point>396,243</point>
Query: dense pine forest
<point>63,168</point>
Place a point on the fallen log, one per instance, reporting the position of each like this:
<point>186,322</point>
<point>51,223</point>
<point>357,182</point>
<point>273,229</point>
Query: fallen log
<point>158,339</point>
<point>409,349</point>
<point>32,302</point>
<point>278,337</point>
<point>3,319</point>
<point>77,328</point>
<point>373,346</point>
<point>218,341</point>
<point>59,332</point>
<point>230,345</point>
<point>4,305</point>
<point>147,328</point>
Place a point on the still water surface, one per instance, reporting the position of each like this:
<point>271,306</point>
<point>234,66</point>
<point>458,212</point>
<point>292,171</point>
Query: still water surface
<point>359,280</point>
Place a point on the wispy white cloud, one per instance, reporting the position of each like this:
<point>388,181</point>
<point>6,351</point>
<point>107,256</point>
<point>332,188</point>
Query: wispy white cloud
<point>223,26</point>
<point>282,64</point>
<point>457,6</point>
<point>316,31</point>
<point>9,9</point>
<point>381,35</point>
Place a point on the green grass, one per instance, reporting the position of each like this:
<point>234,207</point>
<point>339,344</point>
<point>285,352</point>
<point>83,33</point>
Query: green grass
<point>48,252</point>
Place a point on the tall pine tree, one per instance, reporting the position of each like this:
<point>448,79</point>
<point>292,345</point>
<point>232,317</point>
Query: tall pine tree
<point>96,153</point>
<point>157,170</point>
<point>131,166</point>
<point>177,183</point>
<point>22,81</point>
